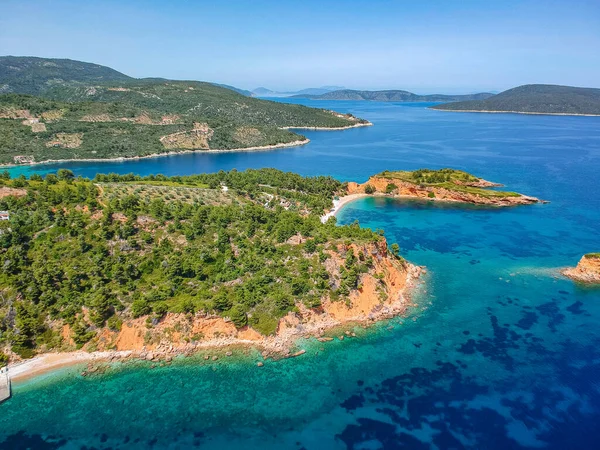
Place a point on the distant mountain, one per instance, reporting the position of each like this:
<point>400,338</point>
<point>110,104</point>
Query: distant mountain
<point>392,96</point>
<point>536,98</point>
<point>238,90</point>
<point>31,75</point>
<point>264,92</point>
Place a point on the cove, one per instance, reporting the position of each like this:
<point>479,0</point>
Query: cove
<point>500,351</point>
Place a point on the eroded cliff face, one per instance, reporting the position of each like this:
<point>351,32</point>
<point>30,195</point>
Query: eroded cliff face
<point>406,189</point>
<point>587,270</point>
<point>383,292</point>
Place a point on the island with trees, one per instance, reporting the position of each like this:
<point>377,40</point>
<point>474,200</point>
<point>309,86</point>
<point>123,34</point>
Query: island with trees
<point>534,99</point>
<point>55,110</point>
<point>157,265</point>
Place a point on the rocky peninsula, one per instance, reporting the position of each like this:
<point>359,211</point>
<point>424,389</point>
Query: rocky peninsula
<point>445,184</point>
<point>587,270</point>
<point>383,292</point>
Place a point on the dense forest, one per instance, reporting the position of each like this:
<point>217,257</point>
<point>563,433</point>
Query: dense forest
<point>86,111</point>
<point>536,98</point>
<point>92,253</point>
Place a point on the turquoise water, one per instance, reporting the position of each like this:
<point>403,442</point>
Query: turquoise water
<point>500,351</point>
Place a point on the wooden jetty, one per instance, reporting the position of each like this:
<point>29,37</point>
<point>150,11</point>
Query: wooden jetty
<point>4,384</point>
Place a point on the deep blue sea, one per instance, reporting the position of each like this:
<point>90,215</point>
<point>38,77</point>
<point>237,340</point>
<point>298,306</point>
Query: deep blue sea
<point>500,351</point>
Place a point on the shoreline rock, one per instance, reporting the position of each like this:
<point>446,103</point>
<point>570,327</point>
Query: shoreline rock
<point>586,271</point>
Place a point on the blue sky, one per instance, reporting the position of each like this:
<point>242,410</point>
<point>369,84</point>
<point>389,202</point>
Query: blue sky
<point>423,46</point>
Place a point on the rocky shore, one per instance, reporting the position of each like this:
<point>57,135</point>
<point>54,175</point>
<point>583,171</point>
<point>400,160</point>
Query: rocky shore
<point>384,292</point>
<point>587,270</point>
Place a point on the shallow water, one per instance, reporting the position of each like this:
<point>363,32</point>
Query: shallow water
<point>501,351</point>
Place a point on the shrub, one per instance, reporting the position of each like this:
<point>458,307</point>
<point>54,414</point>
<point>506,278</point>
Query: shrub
<point>160,309</point>
<point>3,359</point>
<point>390,188</point>
<point>81,335</point>
<point>369,189</point>
<point>114,323</point>
<point>310,246</point>
<point>140,307</point>
<point>238,316</point>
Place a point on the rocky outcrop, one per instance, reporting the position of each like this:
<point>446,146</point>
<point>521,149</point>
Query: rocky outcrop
<point>587,270</point>
<point>196,138</point>
<point>406,189</point>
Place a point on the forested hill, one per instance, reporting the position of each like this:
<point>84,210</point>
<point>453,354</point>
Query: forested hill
<point>31,75</point>
<point>92,254</point>
<point>536,98</point>
<point>86,111</point>
<point>392,96</point>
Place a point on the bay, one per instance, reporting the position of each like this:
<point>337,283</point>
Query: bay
<point>500,351</point>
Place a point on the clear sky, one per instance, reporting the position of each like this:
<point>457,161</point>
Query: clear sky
<point>424,46</point>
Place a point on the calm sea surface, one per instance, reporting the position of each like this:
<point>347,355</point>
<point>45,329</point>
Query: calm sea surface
<point>500,352</point>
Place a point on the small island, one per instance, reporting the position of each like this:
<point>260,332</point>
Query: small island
<point>587,270</point>
<point>445,184</point>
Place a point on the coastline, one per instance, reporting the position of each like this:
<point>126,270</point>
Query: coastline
<point>297,143</point>
<point>159,155</point>
<point>331,319</point>
<point>48,362</point>
<point>515,112</point>
<point>347,127</point>
<point>339,204</point>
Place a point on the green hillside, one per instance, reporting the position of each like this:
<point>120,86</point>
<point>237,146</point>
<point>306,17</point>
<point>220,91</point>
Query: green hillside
<point>392,96</point>
<point>93,253</point>
<point>536,98</point>
<point>100,113</point>
<point>31,75</point>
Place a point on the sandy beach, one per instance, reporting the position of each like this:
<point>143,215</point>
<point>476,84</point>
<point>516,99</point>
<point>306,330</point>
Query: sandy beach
<point>51,361</point>
<point>340,203</point>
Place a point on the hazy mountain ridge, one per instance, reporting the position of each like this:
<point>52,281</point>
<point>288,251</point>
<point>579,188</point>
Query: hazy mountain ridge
<point>536,98</point>
<point>265,92</point>
<point>392,95</point>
